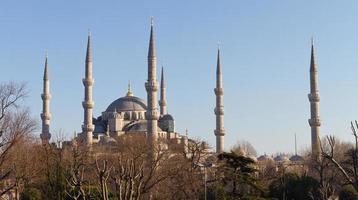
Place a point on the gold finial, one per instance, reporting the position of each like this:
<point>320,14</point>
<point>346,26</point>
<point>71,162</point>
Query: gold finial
<point>129,93</point>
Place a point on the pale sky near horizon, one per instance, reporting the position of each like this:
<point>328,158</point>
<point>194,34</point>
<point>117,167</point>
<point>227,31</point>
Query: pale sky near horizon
<point>265,49</point>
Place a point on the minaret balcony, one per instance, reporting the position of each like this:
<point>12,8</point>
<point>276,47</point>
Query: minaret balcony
<point>45,116</point>
<point>45,136</point>
<point>152,115</point>
<point>88,104</point>
<point>46,96</point>
<point>219,132</point>
<point>219,111</point>
<point>163,103</point>
<point>219,91</point>
<point>151,86</point>
<point>87,128</point>
<point>88,81</point>
<point>313,97</point>
<point>314,122</point>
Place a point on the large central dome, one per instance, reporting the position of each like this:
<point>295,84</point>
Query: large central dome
<point>127,103</point>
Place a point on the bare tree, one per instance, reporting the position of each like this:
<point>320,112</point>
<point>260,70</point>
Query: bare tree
<point>244,147</point>
<point>348,168</point>
<point>103,175</point>
<point>15,123</point>
<point>76,164</point>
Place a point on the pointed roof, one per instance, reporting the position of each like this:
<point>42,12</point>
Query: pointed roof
<point>313,66</point>
<point>89,48</point>
<point>46,69</point>
<point>218,71</point>
<point>218,65</point>
<point>151,51</point>
<point>162,81</point>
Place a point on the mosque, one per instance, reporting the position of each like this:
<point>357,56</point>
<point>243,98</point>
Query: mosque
<point>132,115</point>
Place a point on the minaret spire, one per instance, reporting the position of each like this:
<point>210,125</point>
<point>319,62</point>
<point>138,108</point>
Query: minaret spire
<point>46,115</point>
<point>88,127</point>
<point>163,95</point>
<point>151,87</point>
<point>314,99</point>
<point>219,109</point>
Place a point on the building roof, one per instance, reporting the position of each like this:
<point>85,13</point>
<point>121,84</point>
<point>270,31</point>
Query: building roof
<point>281,158</point>
<point>296,158</point>
<point>264,158</point>
<point>127,103</point>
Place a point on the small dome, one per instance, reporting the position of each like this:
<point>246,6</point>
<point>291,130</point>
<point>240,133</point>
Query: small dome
<point>166,117</point>
<point>296,158</point>
<point>264,158</point>
<point>281,158</point>
<point>127,103</point>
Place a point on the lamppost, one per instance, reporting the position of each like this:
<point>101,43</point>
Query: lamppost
<point>205,166</point>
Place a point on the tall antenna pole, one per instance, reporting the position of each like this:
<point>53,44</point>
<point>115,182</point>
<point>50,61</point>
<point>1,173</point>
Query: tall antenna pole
<point>295,145</point>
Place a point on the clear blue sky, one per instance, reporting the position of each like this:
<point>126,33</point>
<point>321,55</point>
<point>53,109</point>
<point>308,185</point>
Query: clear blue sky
<point>265,59</point>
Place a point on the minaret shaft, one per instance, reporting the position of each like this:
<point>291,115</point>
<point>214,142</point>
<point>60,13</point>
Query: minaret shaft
<point>163,95</point>
<point>88,127</point>
<point>314,100</point>
<point>219,109</point>
<point>151,86</point>
<point>46,115</point>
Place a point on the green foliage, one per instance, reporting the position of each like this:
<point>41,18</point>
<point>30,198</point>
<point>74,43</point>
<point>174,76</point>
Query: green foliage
<point>236,175</point>
<point>292,186</point>
<point>348,193</point>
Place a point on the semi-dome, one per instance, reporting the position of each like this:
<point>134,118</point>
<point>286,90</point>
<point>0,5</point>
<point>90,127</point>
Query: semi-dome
<point>139,126</point>
<point>127,103</point>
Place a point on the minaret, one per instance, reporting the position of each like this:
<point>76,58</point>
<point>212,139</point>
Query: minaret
<point>151,87</point>
<point>313,97</point>
<point>88,127</point>
<point>219,110</point>
<point>45,115</point>
<point>163,95</point>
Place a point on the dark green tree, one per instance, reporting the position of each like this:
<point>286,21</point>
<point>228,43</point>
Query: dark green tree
<point>236,177</point>
<point>292,186</point>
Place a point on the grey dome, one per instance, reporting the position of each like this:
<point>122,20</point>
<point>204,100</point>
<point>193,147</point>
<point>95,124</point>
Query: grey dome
<point>264,158</point>
<point>166,117</point>
<point>296,158</point>
<point>281,158</point>
<point>127,103</point>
